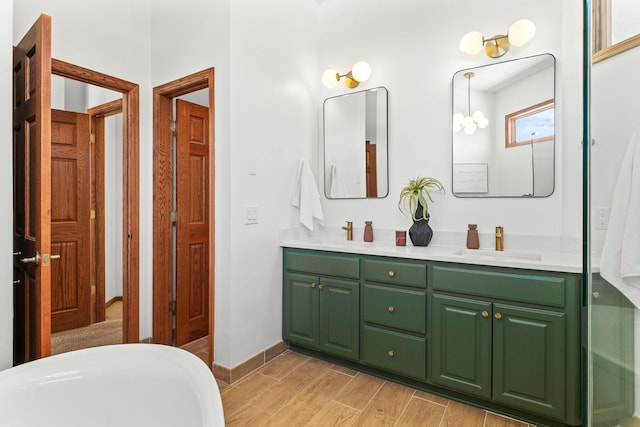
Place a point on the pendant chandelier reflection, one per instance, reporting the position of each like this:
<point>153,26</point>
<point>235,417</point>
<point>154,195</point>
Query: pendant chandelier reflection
<point>469,123</point>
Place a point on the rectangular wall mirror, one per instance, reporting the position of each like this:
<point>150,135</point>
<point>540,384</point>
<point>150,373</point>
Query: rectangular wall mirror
<point>504,129</point>
<point>356,145</point>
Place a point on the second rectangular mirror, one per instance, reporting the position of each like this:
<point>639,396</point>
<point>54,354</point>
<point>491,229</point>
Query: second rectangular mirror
<point>504,129</point>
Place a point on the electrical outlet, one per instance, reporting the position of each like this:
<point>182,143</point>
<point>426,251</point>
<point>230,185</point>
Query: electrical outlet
<point>601,218</point>
<point>251,214</point>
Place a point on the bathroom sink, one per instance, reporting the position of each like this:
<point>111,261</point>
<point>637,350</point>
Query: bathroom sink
<point>497,255</point>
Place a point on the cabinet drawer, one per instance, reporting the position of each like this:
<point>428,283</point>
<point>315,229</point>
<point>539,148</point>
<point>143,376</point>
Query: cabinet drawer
<point>534,288</point>
<point>320,263</point>
<point>395,352</point>
<point>397,308</point>
<point>395,272</point>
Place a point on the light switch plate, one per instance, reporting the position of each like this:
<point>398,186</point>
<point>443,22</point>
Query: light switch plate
<point>251,214</point>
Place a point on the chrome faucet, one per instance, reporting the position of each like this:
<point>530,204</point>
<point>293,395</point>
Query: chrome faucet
<point>499,238</point>
<point>349,228</point>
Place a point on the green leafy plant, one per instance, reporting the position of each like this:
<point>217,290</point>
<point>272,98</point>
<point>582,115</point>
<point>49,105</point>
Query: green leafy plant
<point>415,193</point>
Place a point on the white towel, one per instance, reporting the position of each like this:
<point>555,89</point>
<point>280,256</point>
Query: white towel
<point>337,187</point>
<point>620,261</point>
<point>306,197</point>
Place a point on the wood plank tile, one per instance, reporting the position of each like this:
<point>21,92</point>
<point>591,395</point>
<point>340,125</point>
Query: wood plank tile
<point>310,401</point>
<point>460,415</point>
<point>345,370</point>
<point>431,397</point>
<point>248,416</point>
<point>360,391</point>
<point>334,414</point>
<point>495,420</point>
<point>245,391</point>
<point>288,387</point>
<point>421,413</point>
<point>284,364</point>
<point>386,406</point>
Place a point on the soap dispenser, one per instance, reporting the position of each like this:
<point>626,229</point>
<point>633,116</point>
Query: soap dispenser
<point>368,231</point>
<point>473,242</point>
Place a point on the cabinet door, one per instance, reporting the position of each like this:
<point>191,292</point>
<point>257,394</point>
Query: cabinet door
<point>529,359</point>
<point>339,317</point>
<point>300,310</point>
<point>461,348</point>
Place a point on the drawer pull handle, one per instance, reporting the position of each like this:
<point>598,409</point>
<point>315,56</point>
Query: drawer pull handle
<point>320,286</point>
<point>391,309</point>
<point>485,314</point>
<point>596,294</point>
<point>390,353</point>
<point>498,316</point>
<point>391,274</point>
<point>313,285</point>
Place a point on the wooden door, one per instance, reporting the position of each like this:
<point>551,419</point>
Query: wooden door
<point>70,221</point>
<point>371,170</point>
<point>31,192</point>
<point>192,241</point>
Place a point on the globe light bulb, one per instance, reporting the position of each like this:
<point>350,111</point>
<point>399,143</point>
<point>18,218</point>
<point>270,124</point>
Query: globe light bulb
<point>521,32</point>
<point>361,71</point>
<point>330,78</point>
<point>470,129</point>
<point>472,42</point>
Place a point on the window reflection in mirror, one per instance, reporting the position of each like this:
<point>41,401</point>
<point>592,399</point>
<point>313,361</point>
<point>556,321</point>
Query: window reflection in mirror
<point>355,145</point>
<point>514,155</point>
<point>614,27</point>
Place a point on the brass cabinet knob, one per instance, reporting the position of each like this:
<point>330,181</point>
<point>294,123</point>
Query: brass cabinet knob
<point>498,316</point>
<point>485,314</point>
<point>391,274</point>
<point>313,285</point>
<point>391,309</point>
<point>320,286</point>
<point>390,353</point>
<point>596,294</point>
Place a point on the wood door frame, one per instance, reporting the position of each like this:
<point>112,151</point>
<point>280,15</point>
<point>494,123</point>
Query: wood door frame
<point>163,201</point>
<point>97,116</point>
<point>130,197</point>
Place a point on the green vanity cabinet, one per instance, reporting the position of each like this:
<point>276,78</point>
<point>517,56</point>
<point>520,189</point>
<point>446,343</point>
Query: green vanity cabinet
<point>321,311</point>
<point>612,337</point>
<point>394,309</point>
<point>509,336</point>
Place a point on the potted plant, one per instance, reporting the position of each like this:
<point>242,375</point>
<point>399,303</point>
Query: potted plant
<point>413,200</point>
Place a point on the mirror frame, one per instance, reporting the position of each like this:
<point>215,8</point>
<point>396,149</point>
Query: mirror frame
<point>324,139</point>
<point>478,169</point>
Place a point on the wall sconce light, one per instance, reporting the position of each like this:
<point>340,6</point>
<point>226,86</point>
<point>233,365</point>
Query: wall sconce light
<point>519,33</point>
<point>469,123</point>
<point>360,72</point>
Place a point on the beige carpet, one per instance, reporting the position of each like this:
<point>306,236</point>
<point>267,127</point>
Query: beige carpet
<point>103,333</point>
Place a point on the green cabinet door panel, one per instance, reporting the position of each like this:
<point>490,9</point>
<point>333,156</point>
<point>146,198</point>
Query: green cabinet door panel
<point>395,272</point>
<point>461,347</point>
<point>339,317</point>
<point>395,307</point>
<point>301,309</point>
<point>529,359</point>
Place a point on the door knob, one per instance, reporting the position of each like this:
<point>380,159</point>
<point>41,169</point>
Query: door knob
<point>17,253</point>
<point>54,257</point>
<point>498,316</point>
<point>31,260</point>
<point>485,314</point>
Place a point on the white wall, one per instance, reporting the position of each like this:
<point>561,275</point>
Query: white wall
<point>6,191</point>
<point>416,59</point>
<point>269,56</point>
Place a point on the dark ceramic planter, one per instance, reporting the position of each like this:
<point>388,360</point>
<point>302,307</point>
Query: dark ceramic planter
<point>420,232</point>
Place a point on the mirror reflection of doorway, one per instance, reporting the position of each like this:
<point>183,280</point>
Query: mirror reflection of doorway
<point>87,220</point>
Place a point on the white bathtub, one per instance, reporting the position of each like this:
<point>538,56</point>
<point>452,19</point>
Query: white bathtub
<point>118,385</point>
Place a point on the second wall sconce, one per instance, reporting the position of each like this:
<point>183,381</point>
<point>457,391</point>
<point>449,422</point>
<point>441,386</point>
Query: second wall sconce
<point>519,33</point>
<point>360,72</point>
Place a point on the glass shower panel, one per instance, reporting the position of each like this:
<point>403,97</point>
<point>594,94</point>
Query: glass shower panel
<point>612,180</point>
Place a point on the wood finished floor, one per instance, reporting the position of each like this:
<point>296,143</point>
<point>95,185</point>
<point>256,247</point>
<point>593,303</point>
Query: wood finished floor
<point>298,390</point>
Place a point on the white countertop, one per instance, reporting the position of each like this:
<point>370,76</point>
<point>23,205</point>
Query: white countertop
<point>533,258</point>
